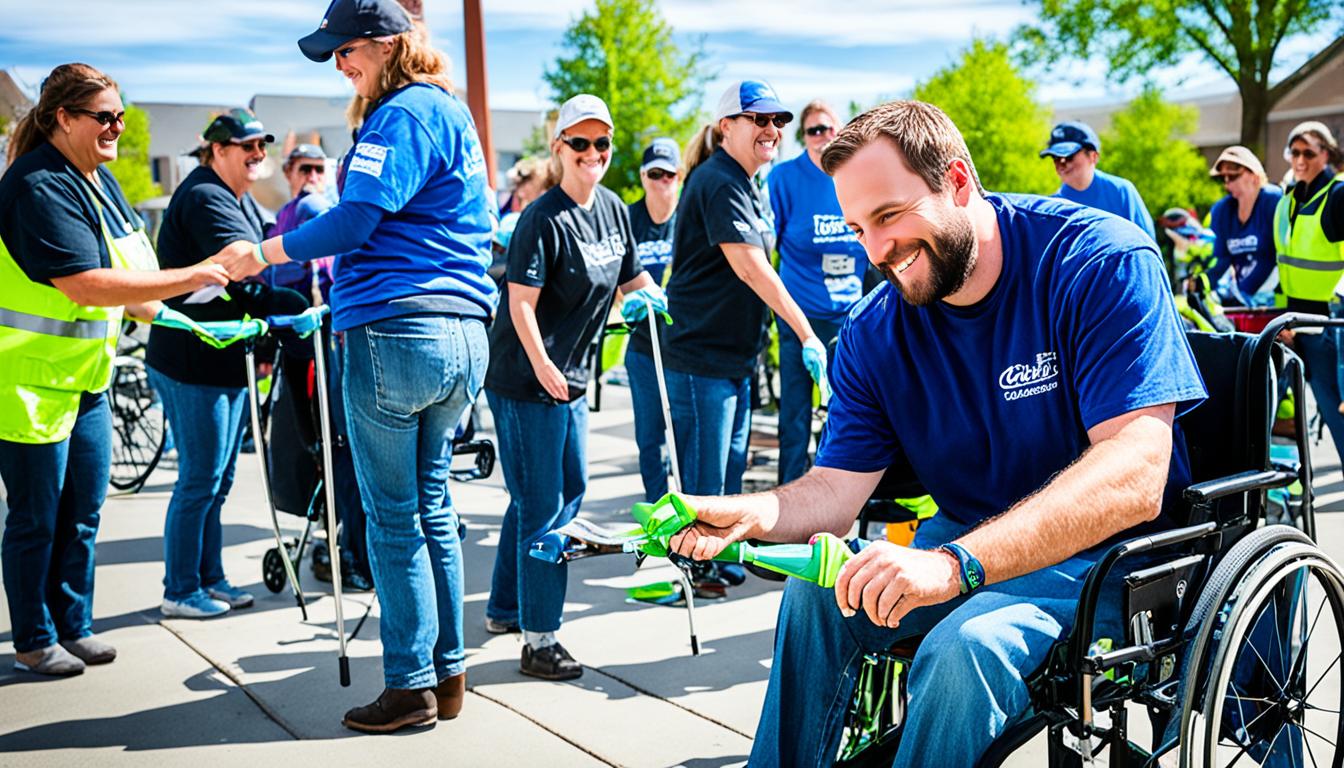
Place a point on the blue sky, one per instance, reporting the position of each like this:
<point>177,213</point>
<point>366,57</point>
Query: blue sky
<point>177,50</point>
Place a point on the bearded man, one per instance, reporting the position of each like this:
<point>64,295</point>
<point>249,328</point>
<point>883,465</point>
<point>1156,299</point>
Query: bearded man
<point>1027,361</point>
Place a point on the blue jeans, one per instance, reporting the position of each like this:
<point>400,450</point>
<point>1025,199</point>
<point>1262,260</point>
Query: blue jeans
<point>349,506</point>
<point>650,436</point>
<point>54,493</point>
<point>407,381</point>
<point>966,681</point>
<point>1318,351</point>
<point>712,420</point>
<point>543,453</point>
<point>208,427</point>
<point>795,398</point>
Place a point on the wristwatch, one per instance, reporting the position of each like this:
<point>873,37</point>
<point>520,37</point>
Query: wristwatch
<point>972,573</point>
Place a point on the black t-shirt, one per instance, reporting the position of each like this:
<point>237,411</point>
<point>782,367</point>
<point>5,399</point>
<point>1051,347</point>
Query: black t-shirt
<point>653,243</point>
<point>48,219</point>
<point>203,216</point>
<point>577,258</point>
<point>719,326</point>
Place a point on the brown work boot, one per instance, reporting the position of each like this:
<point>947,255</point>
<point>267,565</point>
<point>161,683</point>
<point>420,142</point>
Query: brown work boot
<point>450,693</point>
<point>394,709</point>
<point>550,663</point>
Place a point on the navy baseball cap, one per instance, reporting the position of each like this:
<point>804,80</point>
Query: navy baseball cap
<point>662,153</point>
<point>346,20</point>
<point>1068,138</point>
<point>306,152</point>
<point>750,96</point>
<point>234,126</point>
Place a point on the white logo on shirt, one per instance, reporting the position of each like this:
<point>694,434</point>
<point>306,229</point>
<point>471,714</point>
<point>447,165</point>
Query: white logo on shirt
<point>369,158</point>
<point>1025,380</point>
<point>475,162</point>
<point>603,252</point>
<point>742,226</point>
<point>829,228</point>
<point>654,251</point>
<point>1240,245</point>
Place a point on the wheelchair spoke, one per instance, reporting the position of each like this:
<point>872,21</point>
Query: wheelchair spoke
<point>1299,667</point>
<point>1315,708</point>
<point>1307,695</point>
<point>1265,664</point>
<point>1313,733</point>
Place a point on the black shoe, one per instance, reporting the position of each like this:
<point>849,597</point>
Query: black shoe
<point>393,710</point>
<point>321,561</point>
<point>550,663</point>
<point>355,581</point>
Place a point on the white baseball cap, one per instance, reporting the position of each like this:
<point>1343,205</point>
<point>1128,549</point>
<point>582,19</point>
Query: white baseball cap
<point>585,106</point>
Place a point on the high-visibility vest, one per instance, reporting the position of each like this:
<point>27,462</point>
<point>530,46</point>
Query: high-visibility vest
<point>1309,265</point>
<point>52,350</point>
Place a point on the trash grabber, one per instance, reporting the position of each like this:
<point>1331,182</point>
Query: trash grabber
<point>328,485</point>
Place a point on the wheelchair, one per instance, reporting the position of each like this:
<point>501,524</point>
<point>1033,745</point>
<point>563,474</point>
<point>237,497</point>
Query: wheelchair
<point>1218,619</point>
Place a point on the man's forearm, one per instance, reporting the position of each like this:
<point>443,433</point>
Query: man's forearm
<point>823,500</point>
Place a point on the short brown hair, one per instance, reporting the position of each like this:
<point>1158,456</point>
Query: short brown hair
<point>924,134</point>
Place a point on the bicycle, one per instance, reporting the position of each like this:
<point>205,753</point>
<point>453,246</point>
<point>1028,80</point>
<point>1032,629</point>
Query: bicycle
<point>139,429</point>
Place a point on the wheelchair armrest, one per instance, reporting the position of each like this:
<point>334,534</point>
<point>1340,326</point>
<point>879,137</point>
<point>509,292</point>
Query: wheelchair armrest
<point>1081,636</point>
<point>1202,493</point>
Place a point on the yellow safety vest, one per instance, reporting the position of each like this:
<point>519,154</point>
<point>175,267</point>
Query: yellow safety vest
<point>1309,265</point>
<point>54,350</point>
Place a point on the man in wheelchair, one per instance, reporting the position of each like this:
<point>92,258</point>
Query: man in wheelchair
<point>1027,360</point>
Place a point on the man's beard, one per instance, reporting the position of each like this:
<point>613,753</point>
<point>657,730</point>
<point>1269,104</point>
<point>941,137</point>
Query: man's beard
<point>951,259</point>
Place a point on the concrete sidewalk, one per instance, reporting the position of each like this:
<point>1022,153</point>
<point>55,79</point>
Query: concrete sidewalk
<point>261,684</point>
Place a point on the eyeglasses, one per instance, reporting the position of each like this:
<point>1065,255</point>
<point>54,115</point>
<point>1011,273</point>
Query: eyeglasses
<point>304,170</point>
<point>256,145</point>
<point>345,52</point>
<point>1293,154</point>
<point>580,144</point>
<point>658,174</point>
<point>104,118</point>
<point>763,120</point>
<point>1228,178</point>
<point>821,129</point>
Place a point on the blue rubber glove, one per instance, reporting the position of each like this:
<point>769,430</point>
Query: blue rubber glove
<point>637,303</point>
<point>814,357</point>
<point>171,318</point>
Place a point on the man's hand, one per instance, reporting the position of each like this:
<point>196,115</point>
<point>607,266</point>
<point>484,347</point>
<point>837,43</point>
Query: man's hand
<point>887,581</point>
<point>718,524</point>
<point>238,259</point>
<point>207,273</point>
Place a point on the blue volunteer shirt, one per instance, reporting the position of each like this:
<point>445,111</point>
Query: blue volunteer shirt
<point>1112,194</point>
<point>1248,248</point>
<point>988,402</point>
<point>418,159</point>
<point>820,259</point>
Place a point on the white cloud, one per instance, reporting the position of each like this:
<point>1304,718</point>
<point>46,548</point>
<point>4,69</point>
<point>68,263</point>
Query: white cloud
<point>76,23</point>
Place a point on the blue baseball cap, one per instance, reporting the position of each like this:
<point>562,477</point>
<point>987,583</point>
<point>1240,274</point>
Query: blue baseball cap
<point>662,153</point>
<point>750,96</point>
<point>349,19</point>
<point>1068,138</point>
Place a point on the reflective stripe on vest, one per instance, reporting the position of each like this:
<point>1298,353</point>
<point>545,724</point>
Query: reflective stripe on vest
<point>71,329</point>
<point>1309,265</point>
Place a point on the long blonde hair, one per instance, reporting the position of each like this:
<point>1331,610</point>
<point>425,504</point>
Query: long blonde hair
<point>702,145</point>
<point>69,85</point>
<point>413,60</point>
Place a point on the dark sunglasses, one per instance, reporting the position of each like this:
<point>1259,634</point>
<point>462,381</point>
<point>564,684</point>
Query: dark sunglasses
<point>763,120</point>
<point>104,118</point>
<point>256,145</point>
<point>818,130</point>
<point>307,169</point>
<point>580,144</point>
<point>658,174</point>
<point>1306,153</point>
<point>1228,178</point>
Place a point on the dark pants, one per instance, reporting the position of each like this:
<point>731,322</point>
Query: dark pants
<point>55,493</point>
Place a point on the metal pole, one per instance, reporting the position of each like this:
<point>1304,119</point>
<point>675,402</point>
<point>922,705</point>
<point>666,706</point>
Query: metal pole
<point>328,485</point>
<point>673,482</point>
<point>478,100</point>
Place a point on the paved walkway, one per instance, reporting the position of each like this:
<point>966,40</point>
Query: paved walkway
<point>260,684</point>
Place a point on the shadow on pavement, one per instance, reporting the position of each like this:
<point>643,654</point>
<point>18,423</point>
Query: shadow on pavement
<point>150,548</point>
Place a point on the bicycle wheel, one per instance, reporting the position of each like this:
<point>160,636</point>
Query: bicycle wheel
<point>139,429</point>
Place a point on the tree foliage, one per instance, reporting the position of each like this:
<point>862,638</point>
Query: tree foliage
<point>997,112</point>
<point>1147,144</point>
<point>1241,37</point>
<point>623,52</point>
<point>131,168</point>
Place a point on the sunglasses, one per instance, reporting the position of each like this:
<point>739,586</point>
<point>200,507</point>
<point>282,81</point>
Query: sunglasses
<point>763,120</point>
<point>104,118</point>
<point>1293,154</point>
<point>580,144</point>
<point>820,129</point>
<point>256,145</point>
<point>307,169</point>
<point>658,174</point>
<point>345,52</point>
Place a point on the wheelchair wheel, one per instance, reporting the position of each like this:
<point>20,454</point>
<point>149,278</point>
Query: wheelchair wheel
<point>139,429</point>
<point>1274,688</point>
<point>273,571</point>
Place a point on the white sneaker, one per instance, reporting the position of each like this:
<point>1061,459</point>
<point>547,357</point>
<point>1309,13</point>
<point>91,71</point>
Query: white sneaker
<point>198,606</point>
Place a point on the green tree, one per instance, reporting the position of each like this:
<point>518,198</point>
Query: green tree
<point>1146,144</point>
<point>1241,37</point>
<point>131,168</point>
<point>996,109</point>
<point>623,52</point>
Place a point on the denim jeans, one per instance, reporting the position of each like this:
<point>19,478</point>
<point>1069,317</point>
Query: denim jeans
<point>1318,351</point>
<point>795,398</point>
<point>349,506</point>
<point>543,454</point>
<point>54,493</point>
<point>712,420</point>
<point>208,427</point>
<point>650,437</point>
<point>966,681</point>
<point>407,382</point>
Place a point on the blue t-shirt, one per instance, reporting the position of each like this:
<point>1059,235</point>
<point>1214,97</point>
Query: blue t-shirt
<point>1247,248</point>
<point>1112,194</point>
<point>653,242</point>
<point>291,216</point>
<point>417,157</point>
<point>988,402</point>
<point>820,259</point>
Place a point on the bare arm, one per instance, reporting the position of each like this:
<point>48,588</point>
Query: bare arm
<point>145,311</point>
<point>113,287</point>
<point>523,313</point>
<point>752,267</point>
<point>642,280</point>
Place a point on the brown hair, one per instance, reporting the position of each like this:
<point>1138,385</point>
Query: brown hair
<point>69,85</point>
<point>702,145</point>
<point>814,106</point>
<point>924,134</point>
<point>413,60</point>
